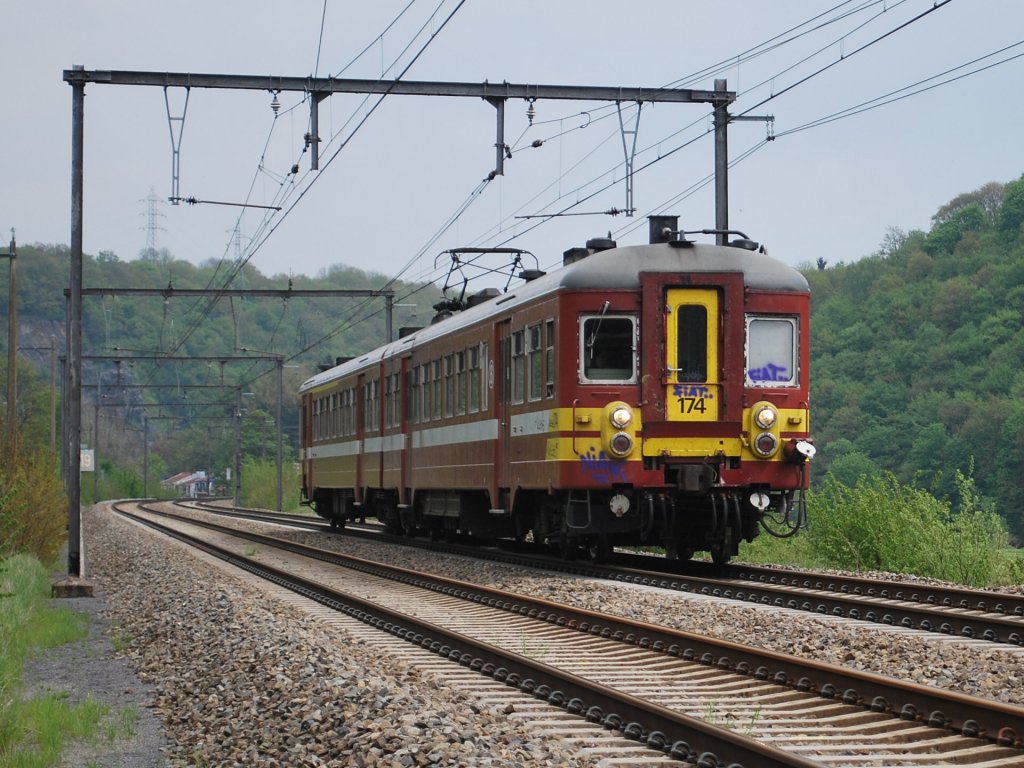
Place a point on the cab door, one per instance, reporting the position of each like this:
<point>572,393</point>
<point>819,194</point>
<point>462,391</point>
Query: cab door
<point>693,387</point>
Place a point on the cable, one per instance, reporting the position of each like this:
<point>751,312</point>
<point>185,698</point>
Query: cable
<point>936,6</point>
<point>320,43</point>
<point>265,229</point>
<point>885,100</point>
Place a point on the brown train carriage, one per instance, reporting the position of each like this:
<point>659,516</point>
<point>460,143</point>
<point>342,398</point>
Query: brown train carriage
<point>645,394</point>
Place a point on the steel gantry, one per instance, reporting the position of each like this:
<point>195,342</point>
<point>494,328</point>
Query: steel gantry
<point>318,89</point>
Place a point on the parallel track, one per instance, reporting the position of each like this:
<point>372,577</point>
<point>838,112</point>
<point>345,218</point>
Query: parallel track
<point>974,614</point>
<point>660,679</point>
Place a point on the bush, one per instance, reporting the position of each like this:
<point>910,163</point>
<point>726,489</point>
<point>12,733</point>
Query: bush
<point>33,506</point>
<point>881,524</point>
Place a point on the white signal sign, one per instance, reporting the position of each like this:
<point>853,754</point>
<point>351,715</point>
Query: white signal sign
<point>85,460</point>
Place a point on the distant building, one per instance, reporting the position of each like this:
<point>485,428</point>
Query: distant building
<point>191,484</point>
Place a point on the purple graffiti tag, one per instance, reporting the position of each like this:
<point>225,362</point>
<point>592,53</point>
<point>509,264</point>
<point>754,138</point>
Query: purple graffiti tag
<point>601,469</point>
<point>770,372</point>
<point>692,390</point>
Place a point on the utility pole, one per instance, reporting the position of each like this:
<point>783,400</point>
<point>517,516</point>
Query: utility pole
<point>238,449</point>
<point>280,425</point>
<point>74,586</point>
<point>53,394</point>
<point>12,353</point>
<point>721,167</point>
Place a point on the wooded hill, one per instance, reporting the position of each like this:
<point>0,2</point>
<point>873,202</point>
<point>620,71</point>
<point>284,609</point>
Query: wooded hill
<point>918,353</point>
<point>308,332</point>
<point>917,350</point>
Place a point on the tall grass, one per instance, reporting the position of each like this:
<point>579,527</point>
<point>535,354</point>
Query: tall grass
<point>259,485</point>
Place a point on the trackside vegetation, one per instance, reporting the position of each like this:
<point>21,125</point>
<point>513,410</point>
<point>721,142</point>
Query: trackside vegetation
<point>33,509</point>
<point>34,730</point>
<point>881,524</point>
<point>259,485</point>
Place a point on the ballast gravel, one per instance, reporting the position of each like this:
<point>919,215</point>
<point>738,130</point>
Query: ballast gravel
<point>239,678</point>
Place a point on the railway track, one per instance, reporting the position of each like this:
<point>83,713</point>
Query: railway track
<point>691,698</point>
<point>971,614</point>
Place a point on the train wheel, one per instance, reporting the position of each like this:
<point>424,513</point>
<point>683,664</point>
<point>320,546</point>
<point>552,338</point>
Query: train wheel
<point>600,549</point>
<point>720,554</point>
<point>564,545</point>
<point>681,552</point>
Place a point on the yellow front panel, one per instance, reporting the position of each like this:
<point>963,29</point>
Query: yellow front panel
<point>692,395</point>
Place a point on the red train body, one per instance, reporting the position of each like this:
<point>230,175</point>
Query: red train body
<point>653,394</point>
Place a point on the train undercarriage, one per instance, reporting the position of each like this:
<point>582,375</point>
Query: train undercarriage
<point>575,523</point>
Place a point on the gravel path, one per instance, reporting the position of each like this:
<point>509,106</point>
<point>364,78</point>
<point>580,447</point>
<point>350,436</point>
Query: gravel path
<point>237,678</point>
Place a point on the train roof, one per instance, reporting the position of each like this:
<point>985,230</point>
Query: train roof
<point>614,268</point>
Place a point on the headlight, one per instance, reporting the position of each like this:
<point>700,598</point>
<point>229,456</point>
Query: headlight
<point>766,416</point>
<point>765,444</point>
<point>621,417</point>
<point>621,444</point>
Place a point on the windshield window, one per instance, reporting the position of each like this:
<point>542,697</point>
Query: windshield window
<point>608,348</point>
<point>771,352</point>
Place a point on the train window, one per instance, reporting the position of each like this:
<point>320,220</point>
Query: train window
<point>449,385</point>
<point>536,362</point>
<point>437,389</point>
<point>474,379</point>
<point>460,382</point>
<point>518,367</point>
<point>772,351</point>
<point>393,400</point>
<point>692,342</point>
<point>367,407</point>
<point>396,392</point>
<point>608,348</point>
<point>427,391</point>
<point>375,410</point>
<point>372,405</point>
<point>346,412</point>
<point>413,391</point>
<point>549,363</point>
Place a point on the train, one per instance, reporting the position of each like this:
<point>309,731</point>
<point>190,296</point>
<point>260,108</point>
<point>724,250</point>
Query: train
<point>652,395</point>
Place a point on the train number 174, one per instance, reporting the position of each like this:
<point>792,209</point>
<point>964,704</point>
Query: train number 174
<point>692,405</point>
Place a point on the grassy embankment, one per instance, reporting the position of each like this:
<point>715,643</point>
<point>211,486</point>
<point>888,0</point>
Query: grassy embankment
<point>34,730</point>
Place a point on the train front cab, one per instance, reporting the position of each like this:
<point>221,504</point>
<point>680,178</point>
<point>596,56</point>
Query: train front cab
<point>724,405</point>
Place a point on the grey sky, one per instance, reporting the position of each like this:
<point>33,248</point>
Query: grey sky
<point>830,191</point>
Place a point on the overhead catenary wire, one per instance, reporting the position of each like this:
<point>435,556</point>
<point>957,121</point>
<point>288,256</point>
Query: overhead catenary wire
<point>447,223</point>
<point>260,237</point>
<point>672,151</point>
<point>265,229</point>
<point>891,97</point>
<point>237,265</point>
<point>863,6</point>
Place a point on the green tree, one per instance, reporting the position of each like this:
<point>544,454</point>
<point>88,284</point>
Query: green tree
<point>1011,212</point>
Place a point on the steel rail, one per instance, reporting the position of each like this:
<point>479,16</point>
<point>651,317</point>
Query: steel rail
<point>972,717</point>
<point>652,724</point>
<point>905,605</point>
